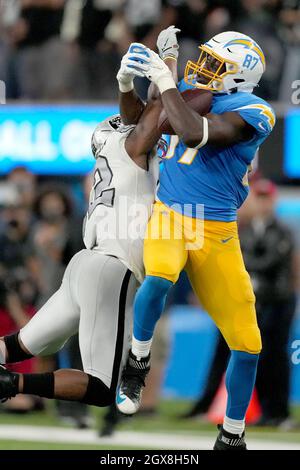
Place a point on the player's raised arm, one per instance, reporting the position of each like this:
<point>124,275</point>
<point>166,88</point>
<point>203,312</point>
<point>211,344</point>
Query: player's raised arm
<point>168,47</point>
<point>146,134</point>
<point>131,105</point>
<point>194,130</point>
<point>134,64</point>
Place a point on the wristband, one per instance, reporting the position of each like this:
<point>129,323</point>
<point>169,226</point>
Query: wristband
<point>170,57</point>
<point>126,87</point>
<point>166,83</point>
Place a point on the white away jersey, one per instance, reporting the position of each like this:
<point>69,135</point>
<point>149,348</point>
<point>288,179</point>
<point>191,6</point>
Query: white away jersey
<point>121,198</point>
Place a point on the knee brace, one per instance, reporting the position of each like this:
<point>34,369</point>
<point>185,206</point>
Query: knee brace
<point>97,393</point>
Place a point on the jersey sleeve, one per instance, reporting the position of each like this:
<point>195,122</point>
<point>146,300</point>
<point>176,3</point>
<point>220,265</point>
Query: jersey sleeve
<point>258,115</point>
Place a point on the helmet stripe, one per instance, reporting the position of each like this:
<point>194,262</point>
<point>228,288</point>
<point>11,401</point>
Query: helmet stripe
<point>251,45</point>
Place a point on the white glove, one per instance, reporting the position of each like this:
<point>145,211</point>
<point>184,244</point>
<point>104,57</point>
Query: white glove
<point>167,43</point>
<point>133,64</point>
<point>159,73</point>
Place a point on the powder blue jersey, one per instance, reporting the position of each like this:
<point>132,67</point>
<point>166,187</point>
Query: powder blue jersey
<point>215,177</point>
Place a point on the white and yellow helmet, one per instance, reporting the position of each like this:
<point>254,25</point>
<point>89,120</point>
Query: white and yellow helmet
<point>228,62</point>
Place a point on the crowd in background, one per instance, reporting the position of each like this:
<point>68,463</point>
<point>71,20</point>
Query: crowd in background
<point>40,231</point>
<point>71,49</point>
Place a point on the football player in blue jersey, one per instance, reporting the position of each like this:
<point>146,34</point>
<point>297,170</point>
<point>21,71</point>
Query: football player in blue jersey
<point>206,167</point>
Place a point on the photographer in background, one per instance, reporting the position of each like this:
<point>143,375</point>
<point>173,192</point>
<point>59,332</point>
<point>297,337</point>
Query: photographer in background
<point>56,237</point>
<point>268,251</point>
<point>18,291</point>
<point>269,256</point>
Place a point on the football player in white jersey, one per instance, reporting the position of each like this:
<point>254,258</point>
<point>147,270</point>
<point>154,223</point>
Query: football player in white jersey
<point>97,292</point>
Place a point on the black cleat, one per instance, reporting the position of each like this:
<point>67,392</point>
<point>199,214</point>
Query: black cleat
<point>129,393</point>
<point>107,430</point>
<point>228,441</point>
<point>110,421</point>
<point>9,384</point>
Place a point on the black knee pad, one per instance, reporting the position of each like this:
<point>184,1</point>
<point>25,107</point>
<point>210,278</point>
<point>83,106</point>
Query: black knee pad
<point>14,351</point>
<point>98,394</point>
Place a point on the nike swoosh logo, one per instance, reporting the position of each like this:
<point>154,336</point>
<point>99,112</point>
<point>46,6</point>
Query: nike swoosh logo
<point>120,398</point>
<point>226,240</point>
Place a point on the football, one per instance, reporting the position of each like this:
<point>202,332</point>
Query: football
<point>199,100</point>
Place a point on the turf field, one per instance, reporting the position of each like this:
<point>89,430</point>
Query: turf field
<point>162,431</point>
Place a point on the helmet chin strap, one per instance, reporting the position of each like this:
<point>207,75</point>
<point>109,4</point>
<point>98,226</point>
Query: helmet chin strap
<point>244,87</point>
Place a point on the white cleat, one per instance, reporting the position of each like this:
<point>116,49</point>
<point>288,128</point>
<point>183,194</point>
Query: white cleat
<point>129,393</point>
<point>126,405</point>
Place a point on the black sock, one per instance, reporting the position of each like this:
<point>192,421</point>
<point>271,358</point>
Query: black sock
<point>39,384</point>
<point>14,351</point>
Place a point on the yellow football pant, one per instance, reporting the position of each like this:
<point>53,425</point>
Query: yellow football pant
<point>210,253</point>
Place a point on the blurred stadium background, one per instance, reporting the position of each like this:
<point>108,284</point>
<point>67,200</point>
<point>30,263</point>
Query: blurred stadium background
<point>58,62</point>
